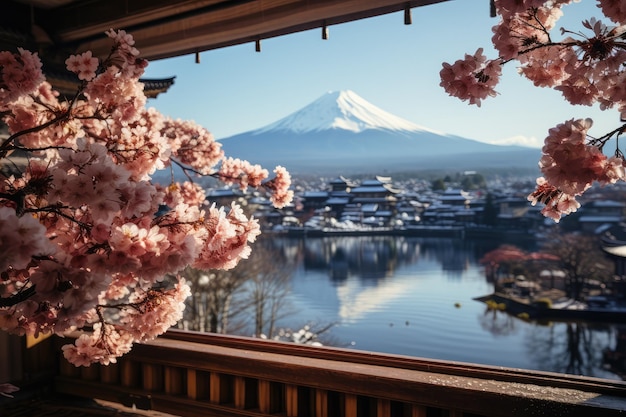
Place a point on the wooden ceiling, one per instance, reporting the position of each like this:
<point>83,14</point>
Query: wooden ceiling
<point>167,28</point>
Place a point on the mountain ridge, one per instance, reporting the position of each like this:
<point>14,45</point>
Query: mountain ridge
<point>342,131</point>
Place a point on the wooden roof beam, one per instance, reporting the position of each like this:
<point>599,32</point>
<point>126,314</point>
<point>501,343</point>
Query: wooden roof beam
<point>173,28</point>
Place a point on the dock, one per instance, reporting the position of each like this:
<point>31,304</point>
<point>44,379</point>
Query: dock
<point>537,308</point>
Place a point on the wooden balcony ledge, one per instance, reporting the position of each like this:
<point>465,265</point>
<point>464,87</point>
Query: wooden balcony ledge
<point>200,374</point>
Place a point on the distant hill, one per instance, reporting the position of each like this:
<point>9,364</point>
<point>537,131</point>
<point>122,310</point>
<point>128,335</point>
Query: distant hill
<point>342,133</point>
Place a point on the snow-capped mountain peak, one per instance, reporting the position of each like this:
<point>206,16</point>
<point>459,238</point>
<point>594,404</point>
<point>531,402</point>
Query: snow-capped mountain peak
<point>342,110</point>
<point>341,131</point>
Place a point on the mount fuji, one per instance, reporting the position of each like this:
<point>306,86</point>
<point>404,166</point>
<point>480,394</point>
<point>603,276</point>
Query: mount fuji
<point>342,132</point>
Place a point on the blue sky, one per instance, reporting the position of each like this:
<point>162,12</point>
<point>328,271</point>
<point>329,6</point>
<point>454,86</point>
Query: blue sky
<point>392,65</point>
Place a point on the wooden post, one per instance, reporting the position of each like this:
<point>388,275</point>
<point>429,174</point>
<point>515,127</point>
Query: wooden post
<point>265,398</point>
<point>221,388</point>
<point>129,373</point>
<point>11,361</point>
<point>38,358</point>
<point>174,381</point>
<point>291,400</point>
<point>90,373</point>
<point>383,408</point>
<point>197,384</point>
<point>321,403</point>
<point>418,411</point>
<point>110,374</point>
<point>240,392</point>
<point>67,369</point>
<point>152,377</point>
<point>350,405</point>
<point>214,388</point>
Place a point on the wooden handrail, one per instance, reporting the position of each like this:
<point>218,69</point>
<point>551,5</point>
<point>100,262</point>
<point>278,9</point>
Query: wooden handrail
<point>199,374</point>
<point>406,362</point>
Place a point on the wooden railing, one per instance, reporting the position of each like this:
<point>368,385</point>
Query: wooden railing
<point>198,374</point>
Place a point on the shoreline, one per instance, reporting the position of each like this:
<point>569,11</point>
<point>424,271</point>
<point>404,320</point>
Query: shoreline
<point>534,311</point>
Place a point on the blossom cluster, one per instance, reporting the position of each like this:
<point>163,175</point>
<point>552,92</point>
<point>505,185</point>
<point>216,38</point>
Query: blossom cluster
<point>586,66</point>
<point>87,240</point>
<point>20,74</point>
<point>473,78</point>
<point>571,164</point>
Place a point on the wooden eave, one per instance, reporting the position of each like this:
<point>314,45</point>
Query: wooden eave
<point>168,28</point>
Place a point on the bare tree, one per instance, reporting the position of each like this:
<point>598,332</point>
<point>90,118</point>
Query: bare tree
<point>210,308</point>
<point>267,288</point>
<point>251,296</point>
<point>581,259</point>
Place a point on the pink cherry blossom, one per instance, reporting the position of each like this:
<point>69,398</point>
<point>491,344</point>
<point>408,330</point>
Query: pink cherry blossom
<point>472,79</point>
<point>586,66</point>
<point>87,239</point>
<point>104,345</point>
<point>235,170</point>
<point>159,311</point>
<point>573,165</point>
<point>228,236</point>
<point>546,67</point>
<point>20,74</point>
<point>85,65</point>
<point>522,28</point>
<point>279,186</point>
<point>556,202</point>
<point>193,145</point>
<point>614,10</point>
<point>22,239</point>
<point>187,192</point>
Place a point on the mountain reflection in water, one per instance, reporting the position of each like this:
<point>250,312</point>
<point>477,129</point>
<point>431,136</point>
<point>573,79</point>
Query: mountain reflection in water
<point>414,296</point>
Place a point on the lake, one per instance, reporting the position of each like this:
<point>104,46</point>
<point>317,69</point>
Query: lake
<point>414,296</point>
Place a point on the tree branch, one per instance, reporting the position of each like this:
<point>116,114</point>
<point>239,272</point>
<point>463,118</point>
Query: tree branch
<point>14,299</point>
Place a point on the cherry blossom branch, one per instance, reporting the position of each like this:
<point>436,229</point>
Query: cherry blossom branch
<point>85,207</point>
<point>602,140</point>
<point>35,186</point>
<point>586,69</point>
<point>537,47</point>
<point>160,221</point>
<point>221,175</point>
<point>186,170</point>
<point>6,144</point>
<point>139,306</point>
<point>57,210</point>
<point>22,295</point>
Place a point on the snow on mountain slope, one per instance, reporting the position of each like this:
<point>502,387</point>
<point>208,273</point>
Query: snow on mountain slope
<point>344,110</point>
<point>343,131</point>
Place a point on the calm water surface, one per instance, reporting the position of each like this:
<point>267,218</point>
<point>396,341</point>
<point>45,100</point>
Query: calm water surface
<point>414,296</point>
